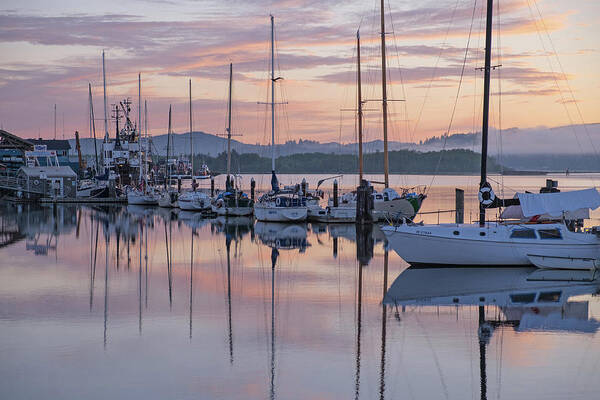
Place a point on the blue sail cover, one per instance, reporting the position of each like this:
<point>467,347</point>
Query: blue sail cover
<point>274,182</point>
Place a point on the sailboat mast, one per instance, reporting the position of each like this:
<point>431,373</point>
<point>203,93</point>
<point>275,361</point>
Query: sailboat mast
<point>384,100</point>
<point>191,138</point>
<point>168,166</point>
<point>229,123</point>
<point>140,126</point>
<point>105,106</point>
<point>272,94</point>
<point>360,110</point>
<point>147,144</point>
<point>93,126</point>
<point>486,103</point>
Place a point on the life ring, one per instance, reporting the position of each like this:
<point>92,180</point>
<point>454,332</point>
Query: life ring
<point>486,195</point>
<point>36,182</point>
<point>278,201</point>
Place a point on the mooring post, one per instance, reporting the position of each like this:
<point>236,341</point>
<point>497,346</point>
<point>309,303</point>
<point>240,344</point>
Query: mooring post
<point>304,186</point>
<point>179,184</point>
<point>252,187</point>
<point>364,203</point>
<point>335,193</point>
<point>212,186</point>
<point>460,206</point>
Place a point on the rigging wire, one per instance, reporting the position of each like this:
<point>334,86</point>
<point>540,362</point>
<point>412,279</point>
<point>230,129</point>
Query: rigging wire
<point>560,91</point>
<point>462,72</point>
<point>435,68</point>
<point>565,79</point>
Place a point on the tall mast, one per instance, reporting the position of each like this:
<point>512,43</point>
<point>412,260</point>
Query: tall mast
<point>360,111</point>
<point>384,102</point>
<point>272,94</point>
<point>486,104</point>
<point>147,144</point>
<point>140,126</point>
<point>93,126</point>
<point>55,121</point>
<point>168,167</point>
<point>191,138</point>
<point>105,106</point>
<point>229,123</point>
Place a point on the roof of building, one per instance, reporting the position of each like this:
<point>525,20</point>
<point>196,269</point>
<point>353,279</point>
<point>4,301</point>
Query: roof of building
<point>10,141</point>
<point>50,172</point>
<point>53,144</point>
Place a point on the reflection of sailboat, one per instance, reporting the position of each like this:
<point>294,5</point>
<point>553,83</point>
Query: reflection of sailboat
<point>192,219</point>
<point>274,255</point>
<point>281,235</point>
<point>517,291</point>
<point>529,299</point>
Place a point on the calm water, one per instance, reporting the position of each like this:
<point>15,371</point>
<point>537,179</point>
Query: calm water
<point>114,302</point>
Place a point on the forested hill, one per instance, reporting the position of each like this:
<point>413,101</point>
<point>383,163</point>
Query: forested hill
<point>401,162</point>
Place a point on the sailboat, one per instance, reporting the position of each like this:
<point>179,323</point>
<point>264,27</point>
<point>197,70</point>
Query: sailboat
<point>233,202</point>
<point>193,200</point>
<point>547,232</point>
<point>144,195</point>
<point>279,205</point>
<point>168,197</point>
<point>389,204</point>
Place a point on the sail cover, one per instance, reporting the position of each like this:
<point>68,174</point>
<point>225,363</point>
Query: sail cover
<point>555,204</point>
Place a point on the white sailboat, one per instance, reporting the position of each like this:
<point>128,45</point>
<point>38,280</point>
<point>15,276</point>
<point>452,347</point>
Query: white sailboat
<point>145,195</point>
<point>287,205</point>
<point>233,202</point>
<point>547,234</point>
<point>168,197</point>
<point>193,200</point>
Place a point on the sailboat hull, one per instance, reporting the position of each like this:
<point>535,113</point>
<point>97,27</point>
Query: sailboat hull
<point>233,211</point>
<point>459,245</point>
<point>280,214</point>
<point>393,209</point>
<point>141,199</point>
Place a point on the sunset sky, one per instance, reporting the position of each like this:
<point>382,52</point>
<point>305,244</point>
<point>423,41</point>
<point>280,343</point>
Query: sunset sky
<point>51,50</point>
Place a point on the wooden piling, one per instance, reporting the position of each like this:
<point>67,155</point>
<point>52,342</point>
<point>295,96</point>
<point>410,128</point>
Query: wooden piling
<point>460,206</point>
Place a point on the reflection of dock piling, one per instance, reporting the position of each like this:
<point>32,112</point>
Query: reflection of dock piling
<point>364,243</point>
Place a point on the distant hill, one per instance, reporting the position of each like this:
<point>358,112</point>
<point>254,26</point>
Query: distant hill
<point>574,147</point>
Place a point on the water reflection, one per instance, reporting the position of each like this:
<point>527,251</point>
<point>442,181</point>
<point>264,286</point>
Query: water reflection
<point>254,310</point>
<point>528,299</point>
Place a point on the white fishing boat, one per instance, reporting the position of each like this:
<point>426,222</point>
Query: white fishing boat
<point>547,224</point>
<point>287,205</point>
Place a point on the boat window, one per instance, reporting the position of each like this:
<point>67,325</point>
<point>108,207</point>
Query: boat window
<point>523,233</point>
<point>378,197</point>
<point>549,233</point>
<point>549,296</point>
<point>522,298</point>
<point>456,233</point>
<point>385,197</point>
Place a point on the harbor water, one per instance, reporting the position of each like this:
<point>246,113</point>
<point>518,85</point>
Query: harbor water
<point>110,301</point>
